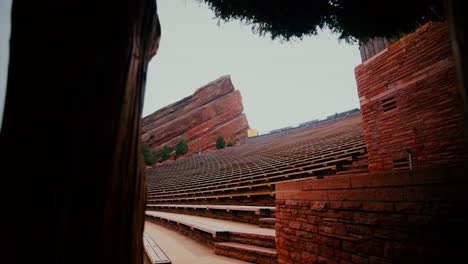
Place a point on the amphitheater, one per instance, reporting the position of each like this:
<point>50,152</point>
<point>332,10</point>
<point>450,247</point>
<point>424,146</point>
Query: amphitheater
<point>376,186</point>
<point>237,185</point>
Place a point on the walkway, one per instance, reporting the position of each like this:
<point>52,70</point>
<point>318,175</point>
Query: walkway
<point>184,250</point>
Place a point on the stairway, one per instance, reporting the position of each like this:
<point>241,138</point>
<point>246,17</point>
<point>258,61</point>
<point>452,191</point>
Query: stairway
<point>253,248</point>
<point>267,222</point>
<point>237,240</point>
<point>250,253</point>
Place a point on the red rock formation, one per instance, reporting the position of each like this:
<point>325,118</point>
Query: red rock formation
<point>213,110</point>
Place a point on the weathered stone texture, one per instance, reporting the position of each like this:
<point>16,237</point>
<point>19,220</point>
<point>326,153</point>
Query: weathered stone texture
<point>393,218</point>
<point>410,101</point>
<point>213,110</point>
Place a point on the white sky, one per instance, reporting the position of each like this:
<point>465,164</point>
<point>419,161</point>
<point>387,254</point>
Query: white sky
<point>5,18</point>
<point>282,84</point>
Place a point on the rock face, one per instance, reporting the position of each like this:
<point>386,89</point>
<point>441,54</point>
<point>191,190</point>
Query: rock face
<point>213,110</point>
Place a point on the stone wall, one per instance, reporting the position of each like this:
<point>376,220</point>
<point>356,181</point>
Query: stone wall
<point>373,218</point>
<point>410,102</point>
<point>412,118</point>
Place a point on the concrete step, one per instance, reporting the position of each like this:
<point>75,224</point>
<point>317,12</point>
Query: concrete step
<point>267,241</point>
<point>267,222</point>
<point>184,249</point>
<point>360,171</point>
<point>250,253</point>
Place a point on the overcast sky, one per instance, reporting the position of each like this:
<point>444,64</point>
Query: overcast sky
<point>282,84</point>
<point>5,9</point>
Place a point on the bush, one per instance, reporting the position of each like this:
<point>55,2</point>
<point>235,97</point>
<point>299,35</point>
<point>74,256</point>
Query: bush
<point>155,156</point>
<point>220,143</point>
<point>181,148</point>
<point>229,144</point>
<point>148,157</point>
<point>165,153</point>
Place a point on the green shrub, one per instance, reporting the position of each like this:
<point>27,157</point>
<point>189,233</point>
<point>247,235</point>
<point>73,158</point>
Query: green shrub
<point>155,156</point>
<point>181,148</point>
<point>229,144</point>
<point>148,157</point>
<point>220,143</point>
<point>165,153</point>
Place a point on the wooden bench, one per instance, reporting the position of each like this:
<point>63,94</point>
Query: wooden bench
<point>153,251</point>
<point>248,184</point>
<point>256,209</point>
<point>179,219</point>
<point>307,163</point>
<point>248,195</point>
<point>314,151</point>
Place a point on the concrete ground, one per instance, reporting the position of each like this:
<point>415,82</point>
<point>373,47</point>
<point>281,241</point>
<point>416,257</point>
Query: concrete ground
<point>184,250</point>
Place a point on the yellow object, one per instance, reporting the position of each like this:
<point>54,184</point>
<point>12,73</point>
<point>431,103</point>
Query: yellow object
<point>251,132</point>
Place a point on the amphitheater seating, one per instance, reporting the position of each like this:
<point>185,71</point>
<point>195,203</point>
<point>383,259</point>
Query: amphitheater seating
<point>238,184</point>
<point>252,169</point>
<point>256,209</point>
<point>153,252</point>
<point>215,228</point>
<point>243,241</point>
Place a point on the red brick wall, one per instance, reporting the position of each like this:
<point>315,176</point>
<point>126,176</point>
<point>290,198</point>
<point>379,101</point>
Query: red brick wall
<point>374,218</point>
<point>418,72</point>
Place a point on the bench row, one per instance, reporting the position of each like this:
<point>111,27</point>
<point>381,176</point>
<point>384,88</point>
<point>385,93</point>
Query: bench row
<point>257,209</point>
<point>153,252</point>
<point>215,227</point>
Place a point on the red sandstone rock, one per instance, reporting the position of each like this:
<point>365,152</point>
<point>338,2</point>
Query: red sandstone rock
<point>213,110</point>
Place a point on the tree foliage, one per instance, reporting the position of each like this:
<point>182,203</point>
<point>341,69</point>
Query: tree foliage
<point>181,148</point>
<point>149,157</point>
<point>165,153</point>
<point>220,143</point>
<point>352,20</point>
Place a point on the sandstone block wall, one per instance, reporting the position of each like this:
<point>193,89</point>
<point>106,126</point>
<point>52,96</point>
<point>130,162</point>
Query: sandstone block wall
<point>410,102</point>
<point>373,218</point>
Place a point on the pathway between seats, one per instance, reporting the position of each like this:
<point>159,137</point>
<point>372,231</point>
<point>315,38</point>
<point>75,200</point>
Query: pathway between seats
<point>222,225</point>
<point>184,250</point>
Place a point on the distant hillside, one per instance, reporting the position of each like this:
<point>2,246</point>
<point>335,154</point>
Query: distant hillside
<point>316,122</point>
<point>213,110</point>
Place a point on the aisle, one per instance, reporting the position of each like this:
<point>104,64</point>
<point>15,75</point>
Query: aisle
<point>184,250</point>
